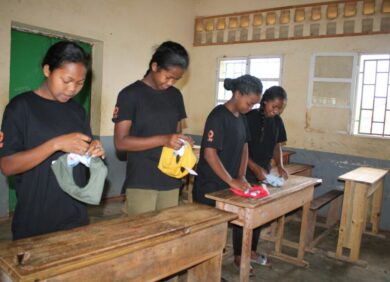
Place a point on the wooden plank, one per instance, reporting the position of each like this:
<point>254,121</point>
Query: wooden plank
<point>376,207</point>
<point>344,218</point>
<point>325,198</point>
<point>358,222</point>
<point>367,175</point>
<point>279,235</point>
<point>292,185</point>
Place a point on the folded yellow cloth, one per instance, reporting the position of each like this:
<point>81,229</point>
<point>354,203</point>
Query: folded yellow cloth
<point>175,163</point>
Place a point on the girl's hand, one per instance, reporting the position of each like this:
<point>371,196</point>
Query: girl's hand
<point>282,172</point>
<point>173,141</point>
<point>76,142</point>
<point>96,150</point>
<point>240,184</point>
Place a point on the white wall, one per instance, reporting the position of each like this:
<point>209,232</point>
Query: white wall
<point>296,56</point>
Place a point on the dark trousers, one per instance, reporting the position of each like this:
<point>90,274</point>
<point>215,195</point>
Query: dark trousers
<point>237,239</point>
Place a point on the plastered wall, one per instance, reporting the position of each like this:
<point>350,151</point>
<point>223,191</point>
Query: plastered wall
<point>331,133</point>
<point>122,31</point>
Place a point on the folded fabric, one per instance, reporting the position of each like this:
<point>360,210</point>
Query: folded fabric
<point>274,180</point>
<point>92,192</point>
<point>253,192</point>
<point>74,159</point>
<point>177,163</point>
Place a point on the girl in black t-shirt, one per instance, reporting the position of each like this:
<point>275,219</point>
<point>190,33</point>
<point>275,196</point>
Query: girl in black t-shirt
<point>148,116</point>
<point>224,152</point>
<point>40,126</point>
<point>268,134</point>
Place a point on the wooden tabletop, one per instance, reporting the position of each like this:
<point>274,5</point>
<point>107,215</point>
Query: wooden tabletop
<point>367,175</point>
<point>95,242</point>
<point>293,184</point>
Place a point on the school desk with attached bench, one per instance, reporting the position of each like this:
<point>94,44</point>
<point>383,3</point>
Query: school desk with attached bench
<point>296,192</point>
<point>147,247</point>
<point>363,194</point>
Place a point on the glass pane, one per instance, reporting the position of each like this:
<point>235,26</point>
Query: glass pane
<point>369,72</point>
<point>381,84</point>
<point>265,67</point>
<point>365,122</point>
<point>379,110</point>
<point>221,91</point>
<point>377,128</point>
<point>368,96</point>
<point>232,68</point>
<point>268,83</point>
<point>383,66</point>
<point>223,94</point>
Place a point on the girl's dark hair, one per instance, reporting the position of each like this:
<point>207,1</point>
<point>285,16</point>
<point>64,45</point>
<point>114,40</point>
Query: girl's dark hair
<point>169,54</point>
<point>272,93</point>
<point>244,84</point>
<point>65,52</point>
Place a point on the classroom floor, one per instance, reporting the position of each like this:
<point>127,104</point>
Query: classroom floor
<point>322,268</point>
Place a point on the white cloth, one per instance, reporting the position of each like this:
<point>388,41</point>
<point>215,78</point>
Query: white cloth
<point>274,180</point>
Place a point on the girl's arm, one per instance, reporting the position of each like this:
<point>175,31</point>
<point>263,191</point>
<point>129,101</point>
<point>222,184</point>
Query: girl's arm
<point>244,162</point>
<point>25,160</point>
<point>256,169</point>
<point>211,156</point>
<point>125,142</point>
<point>278,157</point>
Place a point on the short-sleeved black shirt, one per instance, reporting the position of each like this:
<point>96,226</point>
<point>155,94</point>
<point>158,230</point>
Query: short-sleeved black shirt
<point>42,206</point>
<point>227,134</point>
<point>261,151</point>
<point>152,112</point>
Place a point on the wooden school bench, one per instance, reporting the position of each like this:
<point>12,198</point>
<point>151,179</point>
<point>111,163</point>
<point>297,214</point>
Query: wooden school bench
<point>363,191</point>
<point>147,247</point>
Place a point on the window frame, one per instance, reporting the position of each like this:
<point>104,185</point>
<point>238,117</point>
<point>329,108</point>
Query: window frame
<point>247,70</point>
<point>355,97</point>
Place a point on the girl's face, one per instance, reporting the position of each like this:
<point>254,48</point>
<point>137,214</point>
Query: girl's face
<point>165,78</point>
<point>273,107</point>
<point>65,82</point>
<point>246,102</point>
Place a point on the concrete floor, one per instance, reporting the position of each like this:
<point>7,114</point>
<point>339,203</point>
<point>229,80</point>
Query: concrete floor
<point>374,250</point>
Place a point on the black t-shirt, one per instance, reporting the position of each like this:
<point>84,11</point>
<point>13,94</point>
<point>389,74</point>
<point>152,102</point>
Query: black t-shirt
<point>261,150</point>
<point>152,112</point>
<point>227,134</point>
<point>42,206</point>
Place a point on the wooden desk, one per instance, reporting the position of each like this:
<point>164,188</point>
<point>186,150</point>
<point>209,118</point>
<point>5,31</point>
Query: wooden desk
<point>252,213</point>
<point>148,247</point>
<point>362,200</point>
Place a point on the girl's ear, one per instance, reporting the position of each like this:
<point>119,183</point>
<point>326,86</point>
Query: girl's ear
<point>46,70</point>
<point>154,67</point>
<point>236,94</point>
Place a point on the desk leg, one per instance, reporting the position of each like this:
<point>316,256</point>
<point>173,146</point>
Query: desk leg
<point>211,269</point>
<point>304,227</point>
<point>376,208</point>
<point>245,254</point>
<point>279,236</point>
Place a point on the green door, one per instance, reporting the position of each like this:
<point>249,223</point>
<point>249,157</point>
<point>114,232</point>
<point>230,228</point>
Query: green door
<point>27,52</point>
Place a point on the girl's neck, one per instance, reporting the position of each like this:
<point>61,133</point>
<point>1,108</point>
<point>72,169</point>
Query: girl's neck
<point>44,91</point>
<point>231,106</point>
<point>148,80</point>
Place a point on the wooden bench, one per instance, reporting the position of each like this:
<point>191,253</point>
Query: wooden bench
<point>296,169</point>
<point>332,197</point>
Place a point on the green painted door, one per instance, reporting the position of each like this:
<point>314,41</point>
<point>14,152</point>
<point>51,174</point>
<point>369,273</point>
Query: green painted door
<point>27,52</point>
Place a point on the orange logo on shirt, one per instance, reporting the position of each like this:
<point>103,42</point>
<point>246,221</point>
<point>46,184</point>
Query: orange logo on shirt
<point>210,136</point>
<point>116,111</point>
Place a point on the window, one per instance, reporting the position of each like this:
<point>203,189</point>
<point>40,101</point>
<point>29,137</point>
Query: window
<point>268,69</point>
<point>372,107</point>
